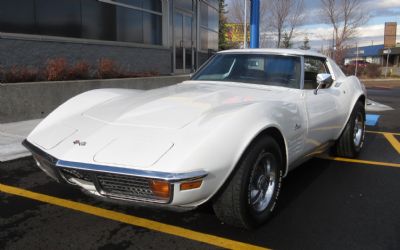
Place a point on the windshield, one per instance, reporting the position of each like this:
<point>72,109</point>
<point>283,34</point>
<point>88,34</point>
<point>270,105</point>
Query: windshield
<point>275,70</point>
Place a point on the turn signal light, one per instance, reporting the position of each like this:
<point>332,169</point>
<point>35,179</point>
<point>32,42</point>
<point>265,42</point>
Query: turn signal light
<point>191,185</point>
<point>160,188</point>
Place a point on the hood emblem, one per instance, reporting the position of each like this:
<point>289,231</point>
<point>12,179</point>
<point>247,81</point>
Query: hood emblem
<point>80,143</point>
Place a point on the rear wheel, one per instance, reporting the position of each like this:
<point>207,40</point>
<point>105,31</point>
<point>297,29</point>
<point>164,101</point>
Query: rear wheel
<point>251,194</point>
<point>352,139</point>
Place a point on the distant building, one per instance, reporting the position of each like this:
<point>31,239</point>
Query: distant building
<point>369,54</point>
<point>166,36</point>
<point>390,34</point>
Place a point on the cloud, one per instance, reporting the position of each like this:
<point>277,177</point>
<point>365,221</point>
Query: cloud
<point>385,3</point>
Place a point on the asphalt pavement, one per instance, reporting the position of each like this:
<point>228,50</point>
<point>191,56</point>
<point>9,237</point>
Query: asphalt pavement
<point>325,204</point>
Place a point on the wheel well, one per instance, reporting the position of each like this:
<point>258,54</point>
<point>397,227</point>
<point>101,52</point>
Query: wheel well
<point>277,135</point>
<point>362,99</point>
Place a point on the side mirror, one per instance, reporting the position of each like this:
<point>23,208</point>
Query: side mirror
<point>323,80</point>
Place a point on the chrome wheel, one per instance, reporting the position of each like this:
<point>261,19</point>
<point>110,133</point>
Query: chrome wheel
<point>262,181</point>
<point>358,129</point>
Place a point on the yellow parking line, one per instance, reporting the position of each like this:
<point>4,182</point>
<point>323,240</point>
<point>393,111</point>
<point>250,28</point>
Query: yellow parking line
<point>395,143</point>
<point>382,133</point>
<point>386,164</point>
<point>130,219</point>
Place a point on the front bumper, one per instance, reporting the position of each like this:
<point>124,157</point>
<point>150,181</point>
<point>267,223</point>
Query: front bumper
<point>110,181</point>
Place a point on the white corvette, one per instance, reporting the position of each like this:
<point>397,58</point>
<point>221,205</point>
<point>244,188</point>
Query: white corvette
<point>229,135</point>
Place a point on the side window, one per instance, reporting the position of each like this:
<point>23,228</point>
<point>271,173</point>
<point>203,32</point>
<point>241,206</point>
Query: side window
<point>312,67</point>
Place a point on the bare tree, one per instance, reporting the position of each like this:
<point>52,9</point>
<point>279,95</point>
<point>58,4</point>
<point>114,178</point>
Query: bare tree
<point>236,10</point>
<point>286,16</point>
<point>345,16</point>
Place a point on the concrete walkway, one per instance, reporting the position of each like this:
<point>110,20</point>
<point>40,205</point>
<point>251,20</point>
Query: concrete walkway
<point>11,136</point>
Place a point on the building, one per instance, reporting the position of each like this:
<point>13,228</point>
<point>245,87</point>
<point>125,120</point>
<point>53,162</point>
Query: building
<point>369,54</point>
<point>390,34</point>
<point>165,36</point>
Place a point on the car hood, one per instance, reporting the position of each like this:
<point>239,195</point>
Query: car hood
<point>176,106</point>
<point>136,129</point>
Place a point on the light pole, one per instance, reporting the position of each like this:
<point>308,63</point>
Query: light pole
<point>355,73</point>
<point>387,51</point>
<point>255,24</point>
<point>245,25</point>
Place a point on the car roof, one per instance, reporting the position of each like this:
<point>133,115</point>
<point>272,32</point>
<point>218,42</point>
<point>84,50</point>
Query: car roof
<point>298,52</point>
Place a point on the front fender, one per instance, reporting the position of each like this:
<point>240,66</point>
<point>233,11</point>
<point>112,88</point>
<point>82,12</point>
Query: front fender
<point>75,106</point>
<point>220,146</point>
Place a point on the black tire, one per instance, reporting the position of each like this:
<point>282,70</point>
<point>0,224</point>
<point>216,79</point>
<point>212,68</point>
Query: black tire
<point>233,205</point>
<point>352,139</point>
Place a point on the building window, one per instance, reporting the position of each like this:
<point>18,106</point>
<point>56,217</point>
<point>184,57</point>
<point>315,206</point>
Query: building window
<point>209,25</point>
<point>138,21</point>
<point>184,4</point>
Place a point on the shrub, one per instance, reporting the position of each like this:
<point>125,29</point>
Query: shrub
<point>56,69</point>
<point>20,74</point>
<point>80,70</point>
<point>107,68</point>
<point>373,70</point>
<point>348,69</point>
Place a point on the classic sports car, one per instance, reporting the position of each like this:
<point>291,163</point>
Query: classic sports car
<point>228,135</point>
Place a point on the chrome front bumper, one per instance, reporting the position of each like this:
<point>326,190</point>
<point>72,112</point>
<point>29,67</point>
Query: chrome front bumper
<point>109,181</point>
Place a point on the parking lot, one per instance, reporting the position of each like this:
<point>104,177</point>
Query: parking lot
<point>327,203</point>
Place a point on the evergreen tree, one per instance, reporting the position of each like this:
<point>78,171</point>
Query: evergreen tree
<point>223,43</point>
<point>286,43</point>
<point>306,44</point>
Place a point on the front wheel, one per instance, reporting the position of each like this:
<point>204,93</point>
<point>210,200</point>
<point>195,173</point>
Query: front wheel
<point>251,194</point>
<point>352,139</point>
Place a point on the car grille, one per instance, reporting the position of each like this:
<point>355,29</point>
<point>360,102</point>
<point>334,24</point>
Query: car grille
<point>125,186</point>
<point>116,185</point>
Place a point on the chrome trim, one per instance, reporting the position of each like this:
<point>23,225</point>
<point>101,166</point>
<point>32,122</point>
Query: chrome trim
<point>170,177</point>
<point>38,151</point>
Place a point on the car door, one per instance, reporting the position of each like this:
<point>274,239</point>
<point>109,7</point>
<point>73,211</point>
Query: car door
<point>322,107</point>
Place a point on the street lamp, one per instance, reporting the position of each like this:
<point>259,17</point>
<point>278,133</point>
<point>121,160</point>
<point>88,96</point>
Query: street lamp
<point>245,25</point>
<point>387,52</point>
<point>355,73</point>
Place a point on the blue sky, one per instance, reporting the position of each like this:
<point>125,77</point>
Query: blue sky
<point>320,34</point>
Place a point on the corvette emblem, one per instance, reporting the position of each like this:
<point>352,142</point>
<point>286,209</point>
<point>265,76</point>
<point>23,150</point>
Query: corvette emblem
<point>80,143</point>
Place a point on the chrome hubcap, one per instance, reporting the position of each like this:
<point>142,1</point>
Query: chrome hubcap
<point>358,129</point>
<point>262,182</point>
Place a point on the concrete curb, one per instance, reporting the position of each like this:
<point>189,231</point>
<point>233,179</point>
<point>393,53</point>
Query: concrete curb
<point>26,101</point>
<point>11,136</point>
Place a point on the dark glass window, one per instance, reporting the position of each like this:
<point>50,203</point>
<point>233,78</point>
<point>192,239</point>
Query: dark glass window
<point>129,25</point>
<point>209,23</point>
<point>213,3</point>
<point>152,29</point>
<point>92,19</point>
<point>184,4</point>
<point>17,16</point>
<point>154,5</point>
<point>98,20</point>
<point>59,18</point>
<point>213,20</point>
